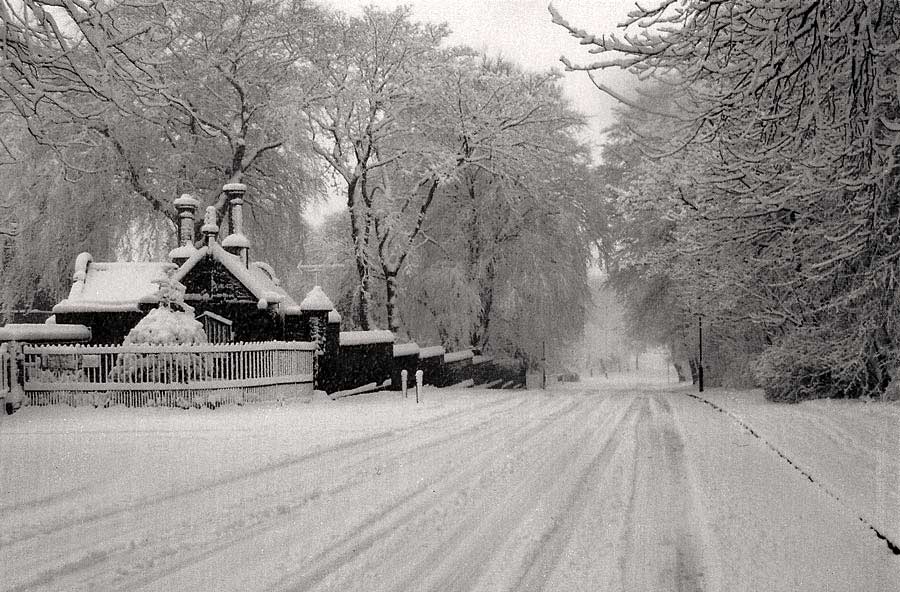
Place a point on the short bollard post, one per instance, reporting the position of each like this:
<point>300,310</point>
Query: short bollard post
<point>419,376</point>
<point>16,377</point>
<point>404,376</point>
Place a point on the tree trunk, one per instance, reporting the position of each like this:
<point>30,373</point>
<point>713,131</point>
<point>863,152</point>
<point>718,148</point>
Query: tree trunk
<point>487,304</point>
<point>679,370</point>
<point>358,235</point>
<point>393,311</point>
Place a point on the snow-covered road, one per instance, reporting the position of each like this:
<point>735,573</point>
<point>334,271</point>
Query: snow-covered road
<point>586,487</point>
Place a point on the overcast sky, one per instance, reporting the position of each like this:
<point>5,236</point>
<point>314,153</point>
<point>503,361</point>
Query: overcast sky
<point>521,30</point>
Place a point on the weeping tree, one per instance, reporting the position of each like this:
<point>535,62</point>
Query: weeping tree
<point>136,102</point>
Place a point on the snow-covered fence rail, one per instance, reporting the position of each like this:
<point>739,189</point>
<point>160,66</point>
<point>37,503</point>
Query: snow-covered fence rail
<point>361,358</point>
<point>456,368</point>
<point>182,375</point>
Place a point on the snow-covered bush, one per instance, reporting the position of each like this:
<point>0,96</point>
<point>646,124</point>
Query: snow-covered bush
<point>164,325</point>
<point>819,362</point>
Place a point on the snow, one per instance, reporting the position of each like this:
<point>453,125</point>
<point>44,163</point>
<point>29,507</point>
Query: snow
<point>210,226</point>
<point>432,351</point>
<point>334,316</point>
<point>601,485</point>
<point>236,241</point>
<point>81,265</point>
<point>186,200</point>
<point>113,286</point>
<point>268,270</point>
<point>852,448</point>
<point>458,356</point>
<point>234,187</point>
<point>405,349</point>
<point>44,332</point>
<point>163,326</point>
<point>259,278</point>
<point>254,279</point>
<point>182,252</point>
<point>316,300</point>
<point>366,337</point>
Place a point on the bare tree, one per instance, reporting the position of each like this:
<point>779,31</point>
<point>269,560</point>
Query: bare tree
<point>377,82</point>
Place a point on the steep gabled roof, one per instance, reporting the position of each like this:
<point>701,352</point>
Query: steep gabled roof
<point>258,278</point>
<point>120,286</point>
<point>102,286</point>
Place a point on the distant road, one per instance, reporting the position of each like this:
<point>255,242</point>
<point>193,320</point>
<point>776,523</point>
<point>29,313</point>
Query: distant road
<point>585,488</point>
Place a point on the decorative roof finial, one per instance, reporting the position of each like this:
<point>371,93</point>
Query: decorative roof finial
<point>210,226</point>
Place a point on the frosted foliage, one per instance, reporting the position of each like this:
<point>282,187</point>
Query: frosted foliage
<point>161,326</point>
<point>164,326</point>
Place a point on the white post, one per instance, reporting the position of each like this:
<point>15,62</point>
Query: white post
<point>419,376</point>
<point>16,391</point>
<point>404,375</point>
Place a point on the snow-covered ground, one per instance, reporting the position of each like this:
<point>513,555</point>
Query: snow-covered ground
<point>618,484</point>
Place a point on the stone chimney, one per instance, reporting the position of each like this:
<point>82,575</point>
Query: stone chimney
<point>210,227</point>
<point>186,206</point>
<point>236,242</point>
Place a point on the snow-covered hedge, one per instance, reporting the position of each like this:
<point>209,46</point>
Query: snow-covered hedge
<point>163,325</point>
<point>818,363</point>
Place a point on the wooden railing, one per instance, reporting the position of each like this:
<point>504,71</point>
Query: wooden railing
<point>214,372</point>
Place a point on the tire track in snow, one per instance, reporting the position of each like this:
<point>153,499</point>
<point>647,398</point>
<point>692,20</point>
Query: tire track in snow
<point>406,515</point>
<point>231,479</point>
<point>460,561</point>
<point>664,543</point>
<point>87,559</point>
<point>554,540</point>
<point>482,430</point>
<point>891,545</point>
<point>358,479</point>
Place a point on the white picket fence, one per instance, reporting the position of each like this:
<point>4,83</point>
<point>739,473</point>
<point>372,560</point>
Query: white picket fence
<point>185,375</point>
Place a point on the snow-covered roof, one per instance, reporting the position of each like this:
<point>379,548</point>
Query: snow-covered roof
<point>366,337</point>
<point>182,252</point>
<point>316,299</point>
<point>103,286</point>
<point>268,271</point>
<point>124,286</point>
<point>258,278</point>
<point>44,332</point>
<point>458,356</point>
<point>334,316</point>
<point>430,352</point>
<point>406,349</point>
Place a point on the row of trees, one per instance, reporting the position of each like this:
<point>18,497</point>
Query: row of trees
<point>755,183</point>
<point>469,201</point>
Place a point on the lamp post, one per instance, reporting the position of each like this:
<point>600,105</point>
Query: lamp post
<point>699,330</point>
<point>700,357</point>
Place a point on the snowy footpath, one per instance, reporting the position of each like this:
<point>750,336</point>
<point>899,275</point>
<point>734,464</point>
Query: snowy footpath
<point>600,485</point>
